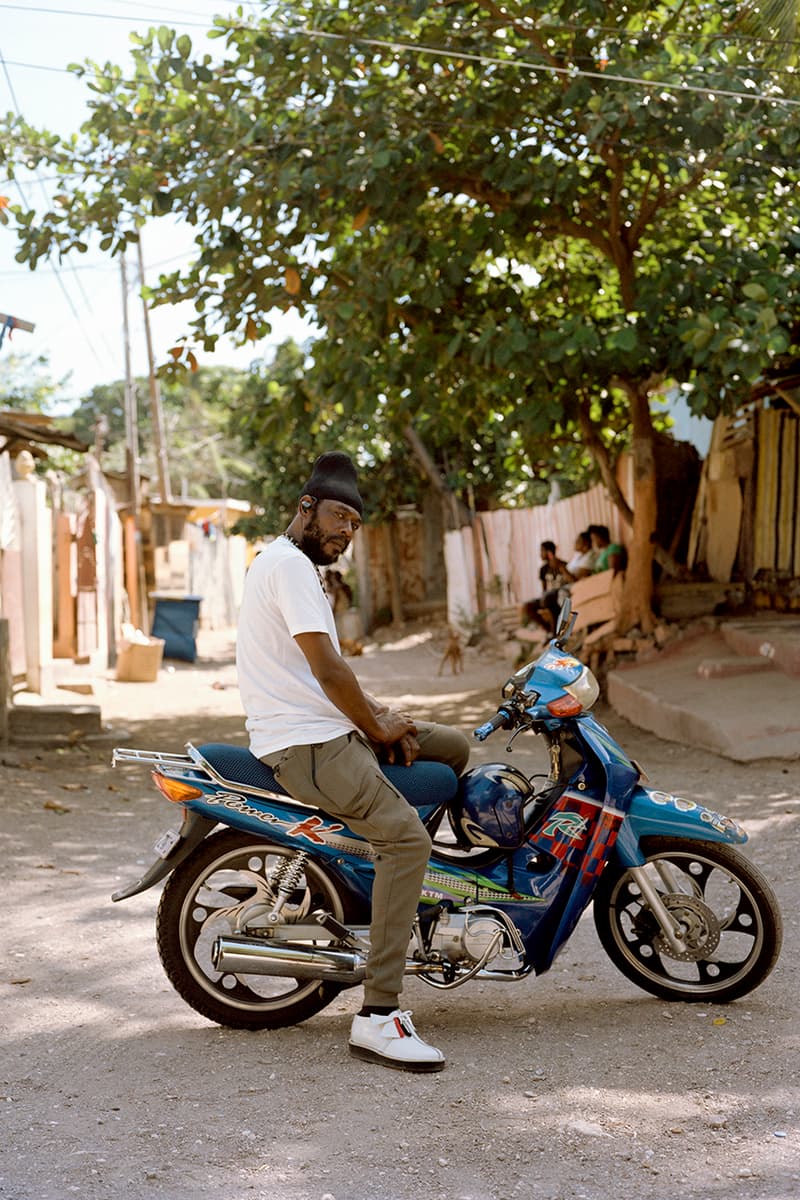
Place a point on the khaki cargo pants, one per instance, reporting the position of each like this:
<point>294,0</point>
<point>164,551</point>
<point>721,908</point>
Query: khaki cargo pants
<point>343,777</point>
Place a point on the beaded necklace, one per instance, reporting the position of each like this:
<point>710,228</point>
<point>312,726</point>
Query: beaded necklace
<point>295,542</point>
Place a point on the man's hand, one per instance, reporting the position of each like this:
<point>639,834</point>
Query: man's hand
<point>400,749</point>
<point>406,750</point>
<point>398,737</point>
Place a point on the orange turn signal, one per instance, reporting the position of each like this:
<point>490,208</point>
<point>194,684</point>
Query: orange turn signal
<point>565,706</point>
<point>174,790</point>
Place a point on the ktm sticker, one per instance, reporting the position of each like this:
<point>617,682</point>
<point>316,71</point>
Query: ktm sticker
<point>310,829</point>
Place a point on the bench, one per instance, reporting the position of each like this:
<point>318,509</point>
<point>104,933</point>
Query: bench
<point>596,601</point>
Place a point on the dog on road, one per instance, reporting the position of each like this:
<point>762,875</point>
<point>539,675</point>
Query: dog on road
<point>453,654</point>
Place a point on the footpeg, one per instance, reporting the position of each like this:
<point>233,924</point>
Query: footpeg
<point>339,931</point>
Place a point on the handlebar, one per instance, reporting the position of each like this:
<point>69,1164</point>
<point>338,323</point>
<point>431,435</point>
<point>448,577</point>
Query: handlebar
<point>502,719</point>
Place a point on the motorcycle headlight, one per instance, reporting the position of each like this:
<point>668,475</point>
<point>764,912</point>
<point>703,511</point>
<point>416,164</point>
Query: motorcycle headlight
<point>585,689</point>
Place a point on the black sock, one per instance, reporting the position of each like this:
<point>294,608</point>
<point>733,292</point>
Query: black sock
<point>380,1010</point>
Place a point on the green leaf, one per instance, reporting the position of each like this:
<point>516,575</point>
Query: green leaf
<point>754,291</point>
<point>623,339</point>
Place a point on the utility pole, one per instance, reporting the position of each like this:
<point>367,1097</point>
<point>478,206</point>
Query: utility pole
<point>131,412</point>
<point>135,574</point>
<point>155,397</point>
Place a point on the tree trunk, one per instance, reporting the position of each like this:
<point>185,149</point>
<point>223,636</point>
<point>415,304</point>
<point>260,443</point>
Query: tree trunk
<point>456,513</point>
<point>596,447</point>
<point>638,592</point>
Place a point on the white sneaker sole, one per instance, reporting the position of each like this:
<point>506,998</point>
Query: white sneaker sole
<point>397,1064</point>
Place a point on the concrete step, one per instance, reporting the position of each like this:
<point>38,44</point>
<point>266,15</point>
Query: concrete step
<point>774,637</point>
<point>722,668</point>
<point>744,718</point>
<point>53,724</point>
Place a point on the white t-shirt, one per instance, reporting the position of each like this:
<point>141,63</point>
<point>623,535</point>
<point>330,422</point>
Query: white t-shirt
<point>582,562</point>
<point>284,703</point>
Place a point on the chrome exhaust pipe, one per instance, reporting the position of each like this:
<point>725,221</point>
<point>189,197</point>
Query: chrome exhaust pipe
<point>251,956</point>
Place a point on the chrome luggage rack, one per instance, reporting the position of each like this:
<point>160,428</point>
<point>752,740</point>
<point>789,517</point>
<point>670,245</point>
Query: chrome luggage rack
<point>168,764</point>
<point>187,766</point>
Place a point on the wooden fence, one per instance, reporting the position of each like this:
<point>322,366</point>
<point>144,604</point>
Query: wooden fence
<point>777,517</point>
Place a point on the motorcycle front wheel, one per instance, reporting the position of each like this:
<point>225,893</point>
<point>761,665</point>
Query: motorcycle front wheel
<point>223,887</point>
<point>728,913</point>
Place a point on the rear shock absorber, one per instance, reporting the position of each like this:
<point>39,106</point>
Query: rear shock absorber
<point>283,880</point>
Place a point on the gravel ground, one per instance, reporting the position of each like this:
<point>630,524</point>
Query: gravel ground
<point>573,1086</point>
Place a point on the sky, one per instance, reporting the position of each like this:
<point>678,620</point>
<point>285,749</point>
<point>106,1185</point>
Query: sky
<point>77,307</point>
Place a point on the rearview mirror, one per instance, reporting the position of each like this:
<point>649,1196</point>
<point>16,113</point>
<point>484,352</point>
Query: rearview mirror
<point>517,681</point>
<point>565,622</point>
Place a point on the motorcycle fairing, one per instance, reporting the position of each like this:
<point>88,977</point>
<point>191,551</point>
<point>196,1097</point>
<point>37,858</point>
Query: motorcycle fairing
<point>578,832</point>
<point>621,775</point>
<point>652,813</point>
<point>552,669</point>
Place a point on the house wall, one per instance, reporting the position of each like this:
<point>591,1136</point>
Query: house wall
<point>408,549</point>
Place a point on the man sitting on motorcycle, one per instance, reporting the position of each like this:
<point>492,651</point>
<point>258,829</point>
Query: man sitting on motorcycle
<point>311,722</point>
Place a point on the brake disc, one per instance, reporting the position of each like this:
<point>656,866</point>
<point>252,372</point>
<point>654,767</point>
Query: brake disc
<point>701,929</point>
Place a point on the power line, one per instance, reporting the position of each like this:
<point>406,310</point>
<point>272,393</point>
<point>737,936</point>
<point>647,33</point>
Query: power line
<point>621,32</point>
<point>543,68</point>
<point>743,70</point>
<point>446,52</point>
<point>102,268</point>
<point>543,30</point>
<point>65,12</point>
<point>51,264</point>
<point>40,67</point>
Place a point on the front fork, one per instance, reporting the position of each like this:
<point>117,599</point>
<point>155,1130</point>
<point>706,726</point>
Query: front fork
<point>671,928</point>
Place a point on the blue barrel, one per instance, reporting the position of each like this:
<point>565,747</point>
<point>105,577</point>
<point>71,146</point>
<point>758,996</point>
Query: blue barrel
<point>176,619</point>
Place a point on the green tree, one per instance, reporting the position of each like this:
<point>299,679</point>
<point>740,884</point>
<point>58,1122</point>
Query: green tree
<point>203,450</point>
<point>526,217</point>
<point>26,383</point>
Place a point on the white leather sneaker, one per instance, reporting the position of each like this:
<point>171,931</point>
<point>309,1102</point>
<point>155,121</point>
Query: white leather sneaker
<point>393,1041</point>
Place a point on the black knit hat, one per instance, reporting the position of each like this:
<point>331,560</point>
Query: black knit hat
<point>334,478</point>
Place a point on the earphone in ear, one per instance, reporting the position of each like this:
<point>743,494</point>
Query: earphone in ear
<point>306,505</point>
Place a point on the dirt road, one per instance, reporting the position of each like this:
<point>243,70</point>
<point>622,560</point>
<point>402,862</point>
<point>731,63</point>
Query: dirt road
<point>574,1086</point>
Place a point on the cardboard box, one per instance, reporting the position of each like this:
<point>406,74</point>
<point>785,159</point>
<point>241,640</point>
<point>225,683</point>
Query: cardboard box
<point>138,662</point>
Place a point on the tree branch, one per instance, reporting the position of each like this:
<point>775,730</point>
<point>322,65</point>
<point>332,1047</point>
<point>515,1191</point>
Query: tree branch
<point>599,452</point>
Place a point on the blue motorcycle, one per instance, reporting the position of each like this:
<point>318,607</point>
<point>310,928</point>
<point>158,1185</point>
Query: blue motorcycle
<point>264,917</point>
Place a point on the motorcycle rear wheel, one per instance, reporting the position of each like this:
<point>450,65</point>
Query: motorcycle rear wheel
<point>732,925</point>
<point>201,901</point>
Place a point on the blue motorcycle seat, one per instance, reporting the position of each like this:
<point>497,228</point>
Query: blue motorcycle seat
<point>423,784</point>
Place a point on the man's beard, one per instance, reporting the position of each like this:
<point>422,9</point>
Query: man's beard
<point>311,544</point>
